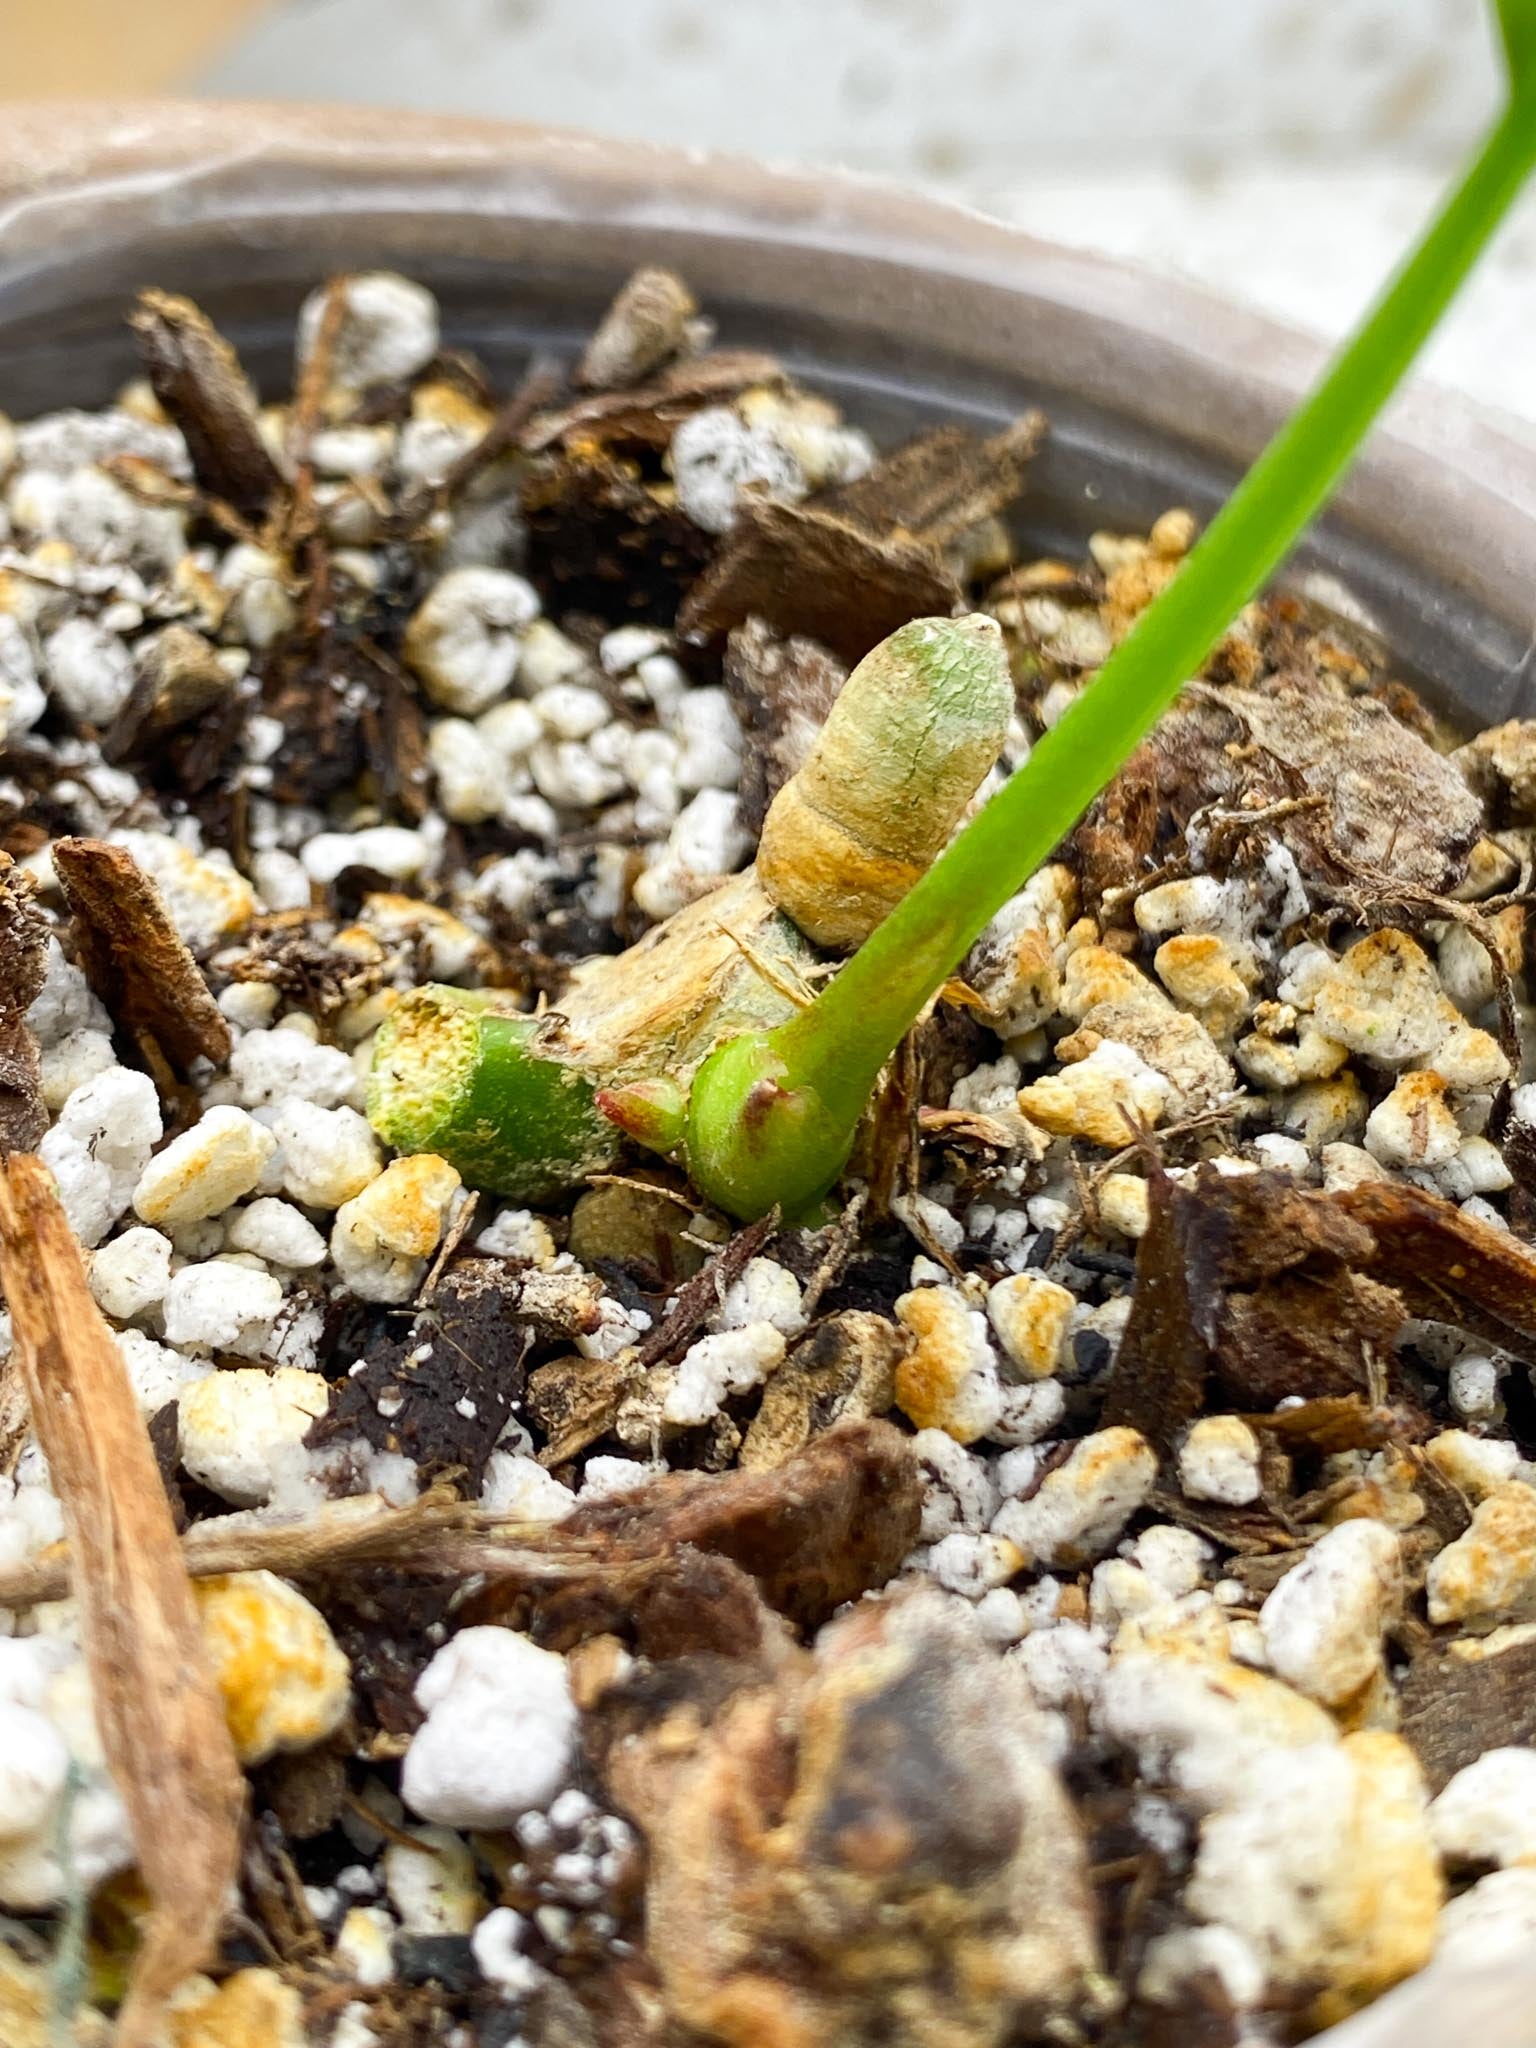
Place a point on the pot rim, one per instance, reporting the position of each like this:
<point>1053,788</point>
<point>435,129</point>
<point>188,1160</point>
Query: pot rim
<point>1446,488</point>
<point>56,152</point>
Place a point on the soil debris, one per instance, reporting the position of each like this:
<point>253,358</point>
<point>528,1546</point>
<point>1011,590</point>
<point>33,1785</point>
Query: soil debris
<point>23,967</point>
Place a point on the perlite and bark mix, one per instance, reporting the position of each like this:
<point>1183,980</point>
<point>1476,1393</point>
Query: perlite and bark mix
<point>1081,1590</point>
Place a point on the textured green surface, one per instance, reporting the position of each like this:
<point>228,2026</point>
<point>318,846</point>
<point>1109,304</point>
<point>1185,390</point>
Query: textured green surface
<point>456,1075</point>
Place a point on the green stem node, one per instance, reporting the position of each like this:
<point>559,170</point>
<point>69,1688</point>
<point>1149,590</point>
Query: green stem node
<point>458,1073</point>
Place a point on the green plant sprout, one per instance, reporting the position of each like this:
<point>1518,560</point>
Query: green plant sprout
<point>703,1039</point>
<point>772,1113</point>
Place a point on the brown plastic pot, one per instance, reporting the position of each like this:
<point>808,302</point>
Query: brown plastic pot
<point>910,311</point>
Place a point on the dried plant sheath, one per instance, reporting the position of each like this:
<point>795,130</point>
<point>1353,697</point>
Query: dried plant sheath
<point>721,965</point>
<point>510,1100</point>
<point>913,731</point>
<point>158,1711</point>
<point>197,378</point>
<point>133,956</point>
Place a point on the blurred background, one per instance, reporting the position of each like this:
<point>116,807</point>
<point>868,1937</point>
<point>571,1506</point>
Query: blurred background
<point>1280,150</point>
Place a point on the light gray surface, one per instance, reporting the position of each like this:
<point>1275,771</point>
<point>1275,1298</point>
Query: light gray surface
<point>982,91</point>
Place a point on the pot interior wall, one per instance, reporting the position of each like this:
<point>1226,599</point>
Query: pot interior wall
<point>62,342</point>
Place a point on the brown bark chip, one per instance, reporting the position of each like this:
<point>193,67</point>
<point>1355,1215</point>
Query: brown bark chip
<point>157,1708</point>
<point>805,571</point>
<point>1249,1279</point>
<point>1460,1702</point>
<point>834,1521</point>
<point>1447,1265</point>
<point>133,956</point>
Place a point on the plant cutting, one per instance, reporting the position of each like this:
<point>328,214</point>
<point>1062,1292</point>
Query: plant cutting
<point>1120,1458</point>
<point>772,1115</point>
<point>768,1118</point>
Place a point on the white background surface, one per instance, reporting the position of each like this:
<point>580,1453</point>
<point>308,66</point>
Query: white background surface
<point>1281,150</point>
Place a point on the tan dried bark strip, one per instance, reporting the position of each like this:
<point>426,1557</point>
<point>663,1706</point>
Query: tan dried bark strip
<point>132,954</point>
<point>840,1513</point>
<point>158,1711</point>
<point>198,379</point>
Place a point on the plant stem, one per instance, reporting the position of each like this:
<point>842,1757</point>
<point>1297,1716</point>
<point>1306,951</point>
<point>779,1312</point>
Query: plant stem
<point>457,1074</point>
<point>832,1052</point>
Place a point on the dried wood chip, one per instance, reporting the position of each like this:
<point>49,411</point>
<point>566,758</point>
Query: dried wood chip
<point>843,1371</point>
<point>653,317</point>
<point>939,485</point>
<point>319,687</point>
<point>23,965</point>
<point>834,1521</point>
<point>133,956</point>
<point>1460,1702</point>
<point>1251,1532</point>
<point>599,541</point>
<point>179,677</point>
<point>782,691</point>
<point>680,1603</point>
<point>197,378</point>
<point>157,1709</point>
<point>1157,1384</point>
<point>809,572</point>
<point>1248,1279</point>
<point>504,436</point>
<point>394,736</point>
<point>1448,1266</point>
<point>1338,1422</point>
<point>574,1401</point>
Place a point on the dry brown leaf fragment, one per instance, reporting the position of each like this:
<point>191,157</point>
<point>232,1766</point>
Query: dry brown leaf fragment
<point>807,571</point>
<point>197,377</point>
<point>134,957</point>
<point>939,485</point>
<point>157,1708</point>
